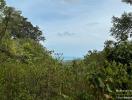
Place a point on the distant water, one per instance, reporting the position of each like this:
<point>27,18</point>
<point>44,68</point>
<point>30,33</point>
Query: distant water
<point>71,58</point>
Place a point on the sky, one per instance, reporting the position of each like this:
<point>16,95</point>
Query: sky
<point>72,27</point>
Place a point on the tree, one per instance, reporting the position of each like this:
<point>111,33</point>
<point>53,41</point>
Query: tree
<point>2,4</point>
<point>94,57</point>
<point>127,1</point>
<point>122,27</point>
<point>14,25</point>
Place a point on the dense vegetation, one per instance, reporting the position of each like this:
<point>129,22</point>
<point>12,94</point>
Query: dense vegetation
<point>29,72</point>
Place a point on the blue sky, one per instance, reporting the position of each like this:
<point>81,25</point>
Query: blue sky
<point>72,27</point>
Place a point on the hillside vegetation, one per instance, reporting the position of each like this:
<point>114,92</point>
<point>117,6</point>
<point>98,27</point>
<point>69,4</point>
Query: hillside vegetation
<point>29,72</point>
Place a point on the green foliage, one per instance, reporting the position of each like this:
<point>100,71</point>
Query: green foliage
<point>29,72</point>
<point>121,29</point>
<point>127,1</point>
<point>121,53</point>
<point>94,57</point>
<point>2,4</point>
<point>14,25</point>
